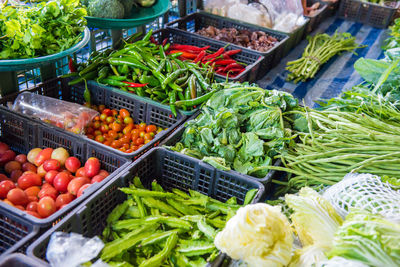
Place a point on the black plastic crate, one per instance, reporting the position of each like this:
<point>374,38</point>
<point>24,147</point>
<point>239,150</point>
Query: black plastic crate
<point>115,99</point>
<point>266,181</point>
<point>171,170</point>
<point>321,14</point>
<point>378,16</point>
<point>196,21</point>
<point>249,57</point>
<point>17,228</point>
<point>19,260</point>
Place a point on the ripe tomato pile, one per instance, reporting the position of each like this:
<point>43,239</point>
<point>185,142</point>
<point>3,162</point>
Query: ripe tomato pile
<point>45,180</point>
<point>117,129</point>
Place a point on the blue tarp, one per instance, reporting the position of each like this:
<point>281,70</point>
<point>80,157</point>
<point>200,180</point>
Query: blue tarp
<point>338,73</point>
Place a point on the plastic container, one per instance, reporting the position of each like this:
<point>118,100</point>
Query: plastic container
<point>266,181</point>
<point>19,260</point>
<point>150,113</point>
<point>318,17</point>
<point>18,228</point>
<point>378,16</point>
<point>69,116</point>
<point>249,57</point>
<point>171,170</point>
<point>196,21</point>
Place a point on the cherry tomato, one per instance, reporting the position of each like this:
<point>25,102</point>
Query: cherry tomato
<point>142,126</point>
<point>96,125</point>
<point>135,147</point>
<point>128,120</point>
<point>99,138</point>
<point>151,128</point>
<point>97,132</point>
<point>142,133</point>
<point>107,143</point>
<point>113,134</point>
<point>17,197</point>
<point>110,119</point>
<point>46,207</point>
<point>129,150</point>
<point>124,113</point>
<point>107,112</point>
<point>5,186</point>
<point>146,141</point>
<point>116,127</point>
<point>64,199</point>
<point>90,131</point>
<point>97,118</point>
<point>127,129</point>
<point>104,128</point>
<point>90,136</point>
<point>101,108</point>
<point>152,134</point>
<point>116,144</point>
<point>147,136</point>
<point>114,112</point>
<point>139,141</point>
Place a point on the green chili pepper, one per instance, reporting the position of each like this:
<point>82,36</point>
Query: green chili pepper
<point>69,75</point>
<point>92,67</point>
<point>175,87</point>
<point>250,196</point>
<point>160,77</point>
<point>172,77</point>
<point>192,87</point>
<point>135,54</point>
<point>128,61</point>
<point>195,101</point>
<point>114,69</point>
<point>124,69</point>
<point>113,82</point>
<point>187,94</point>
<point>172,100</point>
<point>161,65</point>
<point>117,78</point>
<point>87,76</point>
<point>200,79</point>
<point>181,81</point>
<point>148,35</point>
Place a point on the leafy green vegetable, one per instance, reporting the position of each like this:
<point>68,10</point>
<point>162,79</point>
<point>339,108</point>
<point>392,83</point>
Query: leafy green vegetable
<point>314,218</point>
<point>43,29</point>
<point>241,128</point>
<point>368,238</point>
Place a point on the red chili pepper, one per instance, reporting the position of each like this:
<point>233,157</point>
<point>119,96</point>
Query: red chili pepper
<point>130,84</point>
<point>184,54</point>
<point>153,40</point>
<point>71,65</point>
<point>233,66</point>
<point>216,54</point>
<point>225,62</point>
<point>232,52</point>
<point>164,42</point>
<point>189,47</point>
<point>200,56</point>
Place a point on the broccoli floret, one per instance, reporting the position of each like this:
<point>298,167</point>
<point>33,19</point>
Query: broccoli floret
<point>112,9</point>
<point>127,6</point>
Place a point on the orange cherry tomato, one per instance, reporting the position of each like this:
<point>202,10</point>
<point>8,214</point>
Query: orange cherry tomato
<point>124,113</point>
<point>147,141</point>
<point>99,138</point>
<point>147,136</point>
<point>139,141</point>
<point>113,134</point>
<point>142,127</point>
<point>129,150</point>
<point>97,118</point>
<point>114,112</point>
<point>151,128</point>
<point>90,136</point>
<point>107,143</point>
<point>135,131</point>
<point>104,128</point>
<point>128,120</point>
<point>126,146</point>
<point>127,129</point>
<point>141,134</point>
<point>116,144</point>
<point>134,148</point>
<point>116,127</point>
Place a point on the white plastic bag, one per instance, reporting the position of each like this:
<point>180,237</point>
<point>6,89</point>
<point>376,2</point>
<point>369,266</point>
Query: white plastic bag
<point>71,250</point>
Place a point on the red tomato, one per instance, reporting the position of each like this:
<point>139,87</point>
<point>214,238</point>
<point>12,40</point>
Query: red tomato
<point>103,173</point>
<point>32,191</point>
<point>27,166</point>
<point>3,147</point>
<point>3,177</point>
<point>92,167</point>
<point>21,158</point>
<point>20,207</point>
<point>5,186</point>
<point>83,187</point>
<point>97,179</point>
<point>151,128</point>
<point>46,207</point>
<point>33,213</point>
<point>108,112</point>
<point>64,199</point>
<point>15,174</point>
<point>81,172</point>
<point>72,164</point>
<point>75,184</point>
<point>29,179</point>
<point>61,181</point>
<point>17,196</point>
<point>49,177</point>
<point>51,165</point>
<point>12,165</point>
<point>43,155</point>
<point>32,206</point>
<point>41,171</point>
<point>48,191</point>
<point>8,202</point>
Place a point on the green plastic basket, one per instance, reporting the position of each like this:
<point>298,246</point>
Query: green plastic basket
<point>139,16</point>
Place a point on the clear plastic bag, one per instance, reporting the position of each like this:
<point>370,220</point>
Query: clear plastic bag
<point>72,250</point>
<point>69,116</point>
<point>283,15</point>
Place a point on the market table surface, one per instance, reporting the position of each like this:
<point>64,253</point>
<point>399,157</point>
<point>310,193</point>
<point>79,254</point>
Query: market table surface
<point>338,73</point>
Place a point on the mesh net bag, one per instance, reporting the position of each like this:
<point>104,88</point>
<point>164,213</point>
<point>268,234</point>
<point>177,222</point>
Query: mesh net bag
<point>364,191</point>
